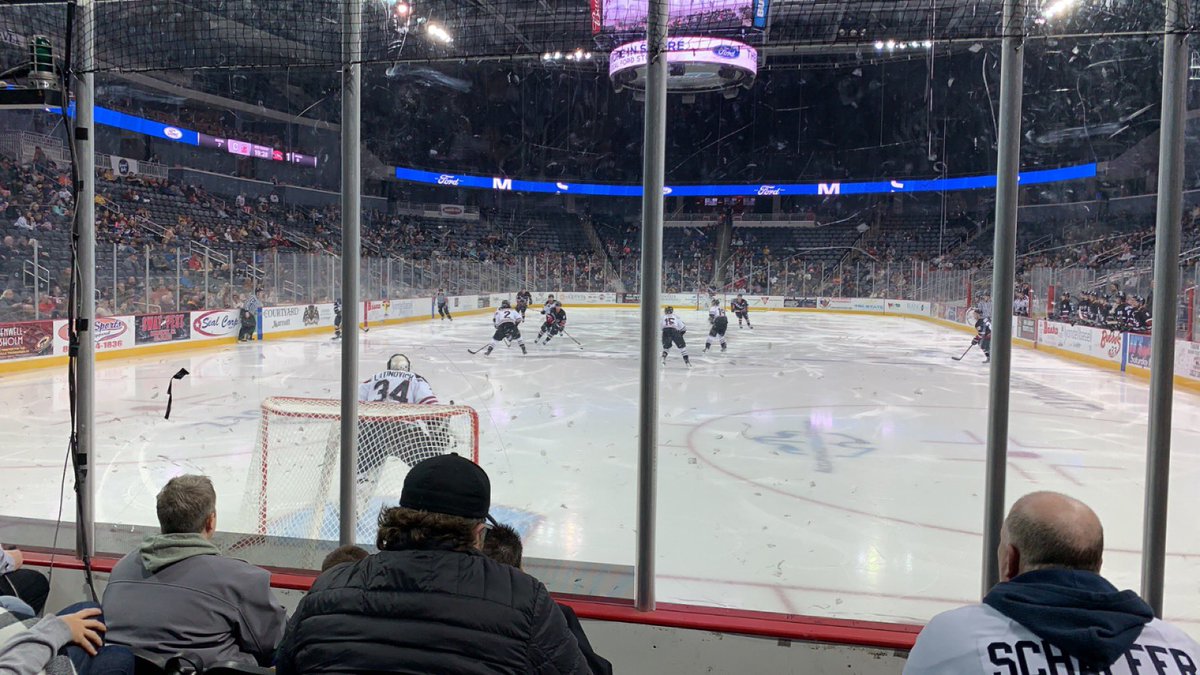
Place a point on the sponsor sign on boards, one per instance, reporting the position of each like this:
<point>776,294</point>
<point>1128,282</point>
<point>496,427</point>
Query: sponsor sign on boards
<point>215,323</point>
<point>153,328</point>
<point>26,338</point>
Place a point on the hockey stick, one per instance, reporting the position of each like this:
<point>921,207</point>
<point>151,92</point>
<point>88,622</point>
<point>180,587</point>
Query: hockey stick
<point>476,351</point>
<point>964,354</point>
<point>573,338</point>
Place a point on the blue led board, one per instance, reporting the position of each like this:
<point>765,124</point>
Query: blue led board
<point>1041,176</point>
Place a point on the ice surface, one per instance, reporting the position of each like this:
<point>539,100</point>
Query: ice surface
<point>827,464</point>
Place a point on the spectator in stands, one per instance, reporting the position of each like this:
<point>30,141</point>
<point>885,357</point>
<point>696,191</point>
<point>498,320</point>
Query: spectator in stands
<point>25,221</point>
<point>503,544</point>
<point>343,554</point>
<point>429,601</point>
<point>26,585</point>
<point>178,593</point>
<point>29,649</point>
<point>1052,607</point>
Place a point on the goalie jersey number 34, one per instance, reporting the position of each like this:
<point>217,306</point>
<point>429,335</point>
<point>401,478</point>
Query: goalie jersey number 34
<point>397,386</point>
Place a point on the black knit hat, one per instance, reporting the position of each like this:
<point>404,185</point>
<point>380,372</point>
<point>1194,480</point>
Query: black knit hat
<point>448,484</point>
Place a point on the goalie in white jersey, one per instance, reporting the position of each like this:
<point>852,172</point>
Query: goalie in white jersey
<point>505,320</point>
<point>410,441</point>
<point>672,334</point>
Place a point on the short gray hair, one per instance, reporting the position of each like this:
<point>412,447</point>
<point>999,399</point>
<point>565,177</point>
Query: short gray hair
<point>1043,545</point>
<point>185,503</point>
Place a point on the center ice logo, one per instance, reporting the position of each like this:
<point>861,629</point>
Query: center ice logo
<point>841,446</point>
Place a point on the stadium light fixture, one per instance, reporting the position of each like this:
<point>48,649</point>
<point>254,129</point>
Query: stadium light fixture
<point>438,33</point>
<point>1057,7</point>
<point>879,46</point>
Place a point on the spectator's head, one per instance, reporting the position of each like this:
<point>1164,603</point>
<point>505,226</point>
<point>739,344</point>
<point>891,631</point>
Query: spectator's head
<point>503,544</point>
<point>343,554</point>
<point>1048,530</point>
<point>188,505</point>
<point>444,505</point>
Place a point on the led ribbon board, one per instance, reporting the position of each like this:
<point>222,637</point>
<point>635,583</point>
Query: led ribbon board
<point>1038,177</point>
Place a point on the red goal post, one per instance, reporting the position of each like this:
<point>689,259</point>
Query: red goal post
<point>293,477</point>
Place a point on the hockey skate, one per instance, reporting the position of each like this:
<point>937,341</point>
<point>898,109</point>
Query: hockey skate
<point>523,349</point>
<point>664,358</point>
<point>488,351</point>
<point>707,347</point>
<point>723,348</point>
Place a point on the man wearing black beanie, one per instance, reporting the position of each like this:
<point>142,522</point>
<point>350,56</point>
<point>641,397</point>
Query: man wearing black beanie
<point>429,601</point>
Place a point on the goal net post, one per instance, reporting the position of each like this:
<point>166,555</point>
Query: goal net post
<point>293,481</point>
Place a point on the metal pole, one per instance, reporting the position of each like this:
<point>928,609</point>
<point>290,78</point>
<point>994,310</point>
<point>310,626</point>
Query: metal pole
<point>146,280</point>
<point>1012,62</point>
<point>37,283</point>
<point>207,304</point>
<point>178,276</point>
<point>114,268</point>
<point>351,212</point>
<point>652,235</point>
<point>1166,290</point>
<point>85,228</point>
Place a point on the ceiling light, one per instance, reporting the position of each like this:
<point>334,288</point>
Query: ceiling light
<point>438,33</point>
<point>1057,7</point>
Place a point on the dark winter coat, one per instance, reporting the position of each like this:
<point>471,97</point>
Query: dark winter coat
<point>429,612</point>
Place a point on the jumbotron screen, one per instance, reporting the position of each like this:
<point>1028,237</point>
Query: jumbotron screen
<point>621,16</point>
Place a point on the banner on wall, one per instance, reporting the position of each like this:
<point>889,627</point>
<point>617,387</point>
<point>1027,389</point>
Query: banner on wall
<point>484,301</point>
<point>835,303</point>
<point>1026,328</point>
<point>122,166</point>
<point>216,323</point>
<point>1137,350</point>
<point>27,338</point>
<point>804,303</point>
<point>283,318</point>
<point>631,298</point>
<point>109,332</point>
<point>153,328</point>
<point>1187,359</point>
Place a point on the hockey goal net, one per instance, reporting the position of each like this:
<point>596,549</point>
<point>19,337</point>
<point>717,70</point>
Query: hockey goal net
<point>292,486</point>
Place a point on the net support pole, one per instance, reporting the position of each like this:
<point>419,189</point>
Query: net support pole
<point>351,262</point>
<point>85,231</point>
<point>1012,63</point>
<point>653,167</point>
<point>1166,290</point>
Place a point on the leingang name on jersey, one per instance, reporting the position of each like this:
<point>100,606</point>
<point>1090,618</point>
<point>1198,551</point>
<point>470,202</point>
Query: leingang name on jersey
<point>397,386</point>
<point>504,316</point>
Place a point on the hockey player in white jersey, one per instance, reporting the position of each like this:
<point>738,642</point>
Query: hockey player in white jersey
<point>409,441</point>
<point>673,329</point>
<point>718,324</point>
<point>506,321</point>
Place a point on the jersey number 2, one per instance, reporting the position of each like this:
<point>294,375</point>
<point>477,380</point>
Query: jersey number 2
<point>399,394</point>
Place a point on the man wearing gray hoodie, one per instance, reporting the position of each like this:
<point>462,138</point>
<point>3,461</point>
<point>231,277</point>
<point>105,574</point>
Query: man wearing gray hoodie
<point>177,593</point>
<point>1053,613</point>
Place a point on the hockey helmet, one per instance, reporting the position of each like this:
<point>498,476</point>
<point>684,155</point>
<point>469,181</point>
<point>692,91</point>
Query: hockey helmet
<point>739,295</point>
<point>669,310</point>
<point>504,304</point>
<point>399,362</point>
<point>716,302</point>
<point>558,303</point>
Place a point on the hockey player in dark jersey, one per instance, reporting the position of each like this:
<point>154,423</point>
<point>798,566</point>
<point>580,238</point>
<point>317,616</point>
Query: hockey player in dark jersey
<point>1138,319</point>
<point>672,334</point>
<point>524,298</point>
<point>741,309</point>
<point>556,322</point>
<point>1064,307</point>
<point>337,319</point>
<point>718,323</point>
<point>983,335</point>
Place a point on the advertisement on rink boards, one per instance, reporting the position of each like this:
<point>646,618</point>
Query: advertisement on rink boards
<point>800,303</point>
<point>1025,328</point>
<point>1095,342</point>
<point>866,305</point>
<point>109,332</point>
<point>835,303</point>
<point>1137,352</point>
<point>155,328</point>
<point>215,323</point>
<point>27,338</point>
<point>906,307</point>
<point>1187,358</point>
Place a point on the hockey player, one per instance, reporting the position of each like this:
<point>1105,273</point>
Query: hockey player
<point>337,319</point>
<point>672,334</point>
<point>506,321</point>
<point>410,442</point>
<point>524,299</point>
<point>549,304</point>
<point>718,323</point>
<point>1139,315</point>
<point>556,323</point>
<point>983,335</point>
<point>443,305</point>
<point>741,309</point>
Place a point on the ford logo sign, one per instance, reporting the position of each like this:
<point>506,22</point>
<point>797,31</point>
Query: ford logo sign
<point>768,190</point>
<point>445,179</point>
<point>172,132</point>
<point>727,51</point>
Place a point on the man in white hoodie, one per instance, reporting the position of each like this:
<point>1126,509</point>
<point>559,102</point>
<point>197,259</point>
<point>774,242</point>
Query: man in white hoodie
<point>1052,613</point>
<point>177,593</point>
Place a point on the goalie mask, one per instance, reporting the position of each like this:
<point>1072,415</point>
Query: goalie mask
<point>399,362</point>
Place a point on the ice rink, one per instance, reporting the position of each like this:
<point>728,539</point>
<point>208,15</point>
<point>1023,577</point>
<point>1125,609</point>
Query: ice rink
<point>826,464</point>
